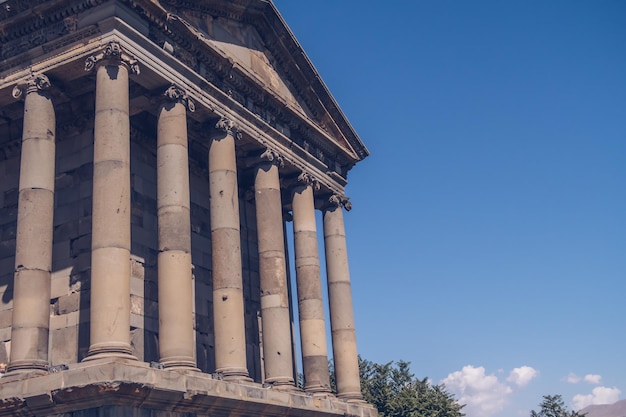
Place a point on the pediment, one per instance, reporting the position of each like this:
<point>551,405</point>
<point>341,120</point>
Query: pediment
<point>255,39</point>
<point>243,44</point>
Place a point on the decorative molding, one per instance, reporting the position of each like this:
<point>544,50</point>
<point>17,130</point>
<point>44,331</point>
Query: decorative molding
<point>35,82</point>
<point>177,94</point>
<point>309,180</point>
<point>227,125</point>
<point>271,156</point>
<point>337,200</point>
<point>113,52</point>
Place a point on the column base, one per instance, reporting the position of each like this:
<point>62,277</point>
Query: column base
<point>35,367</point>
<point>351,397</point>
<point>109,350</point>
<point>234,374</point>
<point>281,384</point>
<point>182,363</point>
<point>317,389</point>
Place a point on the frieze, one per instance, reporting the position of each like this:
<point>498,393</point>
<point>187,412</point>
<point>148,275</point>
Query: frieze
<point>27,31</point>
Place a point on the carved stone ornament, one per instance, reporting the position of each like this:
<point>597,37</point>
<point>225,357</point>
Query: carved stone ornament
<point>113,52</point>
<point>337,200</point>
<point>175,93</point>
<point>227,125</point>
<point>308,179</point>
<point>270,155</point>
<point>33,83</point>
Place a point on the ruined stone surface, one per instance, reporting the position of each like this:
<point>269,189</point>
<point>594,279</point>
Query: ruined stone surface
<point>113,387</point>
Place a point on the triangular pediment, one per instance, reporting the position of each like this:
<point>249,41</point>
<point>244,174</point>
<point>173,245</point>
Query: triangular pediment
<point>243,44</point>
<point>253,36</point>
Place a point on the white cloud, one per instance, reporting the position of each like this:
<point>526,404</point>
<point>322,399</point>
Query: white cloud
<point>599,395</point>
<point>484,394</point>
<point>592,379</point>
<point>572,378</point>
<point>521,376</point>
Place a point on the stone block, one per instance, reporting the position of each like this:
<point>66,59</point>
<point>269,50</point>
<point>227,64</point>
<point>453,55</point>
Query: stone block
<point>5,334</point>
<point>60,283</point>
<point>61,251</point>
<point>136,305</point>
<point>144,345</point>
<point>65,213</point>
<point>142,322</point>
<point>63,345</point>
<point>66,231</point>
<point>80,245</point>
<point>68,304</point>
<point>7,248</point>
<point>7,265</point>
<point>5,318</point>
<point>136,286</point>
<point>6,302</point>
<point>5,351</point>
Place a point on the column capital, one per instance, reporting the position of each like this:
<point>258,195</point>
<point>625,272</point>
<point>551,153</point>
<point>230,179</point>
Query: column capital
<point>35,82</point>
<point>227,125</point>
<point>113,52</point>
<point>273,157</point>
<point>337,200</point>
<point>175,93</point>
<point>307,179</point>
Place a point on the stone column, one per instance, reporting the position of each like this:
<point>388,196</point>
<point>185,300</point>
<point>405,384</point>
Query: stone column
<point>228,306</point>
<point>345,354</point>
<point>110,240</point>
<point>275,315</point>
<point>33,240</point>
<point>176,334</point>
<point>308,281</point>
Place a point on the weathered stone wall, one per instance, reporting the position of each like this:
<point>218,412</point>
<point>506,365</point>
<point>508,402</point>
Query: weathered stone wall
<point>9,180</point>
<point>70,297</point>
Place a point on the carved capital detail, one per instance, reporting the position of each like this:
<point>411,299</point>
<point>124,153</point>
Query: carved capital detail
<point>271,156</point>
<point>35,82</point>
<point>113,52</point>
<point>227,125</point>
<point>337,200</point>
<point>176,94</point>
<point>307,179</point>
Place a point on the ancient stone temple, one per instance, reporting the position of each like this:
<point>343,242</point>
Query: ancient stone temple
<point>156,159</point>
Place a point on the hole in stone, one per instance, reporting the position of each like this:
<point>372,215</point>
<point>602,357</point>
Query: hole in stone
<point>224,297</point>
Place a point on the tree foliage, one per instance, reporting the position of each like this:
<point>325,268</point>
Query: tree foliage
<point>395,392</point>
<point>553,406</point>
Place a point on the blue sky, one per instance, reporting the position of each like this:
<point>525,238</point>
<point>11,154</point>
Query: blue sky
<point>488,237</point>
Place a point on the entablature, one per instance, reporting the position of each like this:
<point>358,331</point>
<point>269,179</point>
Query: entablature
<point>52,33</point>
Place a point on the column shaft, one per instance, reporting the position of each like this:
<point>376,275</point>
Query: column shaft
<point>228,305</point>
<point>176,334</point>
<point>310,304</point>
<point>277,349</point>
<point>33,241</point>
<point>110,244</point>
<point>345,355</point>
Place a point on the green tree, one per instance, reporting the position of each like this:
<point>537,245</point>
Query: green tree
<point>553,406</point>
<point>395,392</point>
